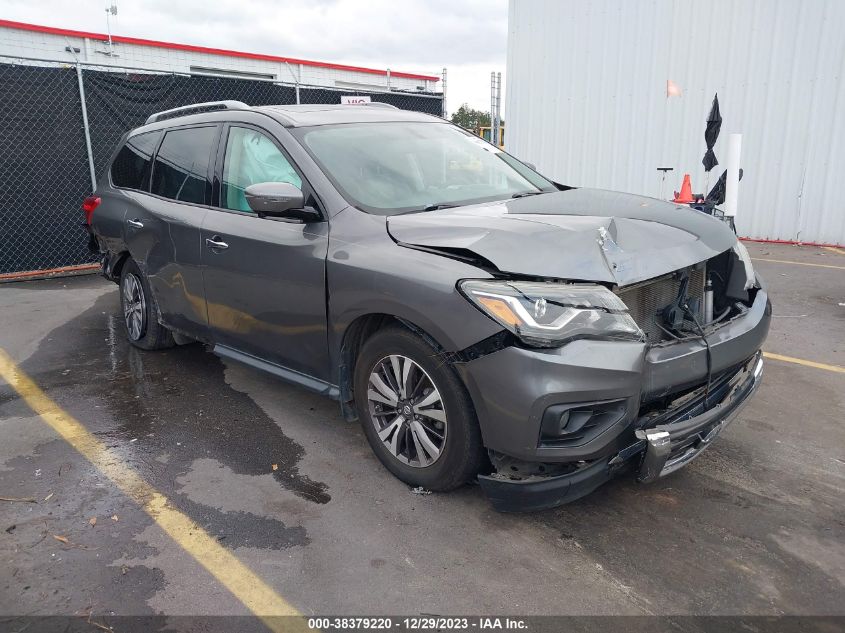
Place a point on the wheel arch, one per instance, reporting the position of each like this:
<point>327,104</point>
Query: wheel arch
<point>115,263</point>
<point>354,337</point>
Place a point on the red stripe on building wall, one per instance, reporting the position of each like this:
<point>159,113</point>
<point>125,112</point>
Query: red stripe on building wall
<point>38,28</point>
<point>791,242</point>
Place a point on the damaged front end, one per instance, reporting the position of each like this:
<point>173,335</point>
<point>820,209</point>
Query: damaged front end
<point>632,335</point>
<point>607,407</point>
<point>676,434</point>
<point>660,445</point>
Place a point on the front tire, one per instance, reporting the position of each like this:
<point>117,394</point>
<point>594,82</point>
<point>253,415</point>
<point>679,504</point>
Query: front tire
<point>415,412</point>
<point>140,311</point>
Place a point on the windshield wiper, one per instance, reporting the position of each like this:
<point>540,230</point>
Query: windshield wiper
<point>525,194</point>
<point>430,207</point>
<point>437,207</point>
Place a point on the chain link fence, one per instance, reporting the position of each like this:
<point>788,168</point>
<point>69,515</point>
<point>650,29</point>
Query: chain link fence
<point>53,111</point>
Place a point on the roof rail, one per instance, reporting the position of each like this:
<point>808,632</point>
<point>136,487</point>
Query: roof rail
<point>379,104</point>
<point>196,108</point>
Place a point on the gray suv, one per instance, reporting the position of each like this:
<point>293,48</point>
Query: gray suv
<point>480,320</point>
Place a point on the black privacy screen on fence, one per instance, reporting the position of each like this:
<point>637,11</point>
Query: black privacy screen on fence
<point>44,169</point>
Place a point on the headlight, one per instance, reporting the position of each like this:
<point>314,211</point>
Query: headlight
<point>745,258</point>
<point>550,314</point>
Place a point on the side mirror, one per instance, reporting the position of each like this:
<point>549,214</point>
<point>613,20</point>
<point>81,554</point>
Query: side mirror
<point>279,200</point>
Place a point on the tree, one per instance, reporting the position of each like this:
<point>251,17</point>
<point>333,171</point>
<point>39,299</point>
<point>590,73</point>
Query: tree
<point>470,119</point>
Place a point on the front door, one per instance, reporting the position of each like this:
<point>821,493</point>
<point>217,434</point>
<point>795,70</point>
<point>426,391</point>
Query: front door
<point>264,278</point>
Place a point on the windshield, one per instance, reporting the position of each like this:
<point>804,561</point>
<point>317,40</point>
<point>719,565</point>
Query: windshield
<point>401,167</point>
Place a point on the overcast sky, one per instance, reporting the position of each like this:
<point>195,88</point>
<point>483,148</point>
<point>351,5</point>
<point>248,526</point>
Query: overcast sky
<point>469,37</point>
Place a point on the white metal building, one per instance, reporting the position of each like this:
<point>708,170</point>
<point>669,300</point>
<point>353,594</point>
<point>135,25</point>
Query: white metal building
<point>586,101</point>
<point>18,39</point>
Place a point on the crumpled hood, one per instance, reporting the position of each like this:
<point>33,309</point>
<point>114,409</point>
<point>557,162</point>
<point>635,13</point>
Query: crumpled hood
<point>578,234</point>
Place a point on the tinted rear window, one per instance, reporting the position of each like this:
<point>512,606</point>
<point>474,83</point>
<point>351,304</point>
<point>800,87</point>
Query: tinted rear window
<point>131,166</point>
<point>181,165</point>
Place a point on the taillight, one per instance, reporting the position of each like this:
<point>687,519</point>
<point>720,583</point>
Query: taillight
<point>91,203</point>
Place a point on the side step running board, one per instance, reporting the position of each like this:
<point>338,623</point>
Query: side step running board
<point>298,378</point>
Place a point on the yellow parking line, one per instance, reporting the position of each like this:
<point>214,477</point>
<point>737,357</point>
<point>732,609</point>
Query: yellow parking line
<point>787,261</point>
<point>806,363</point>
<point>246,586</point>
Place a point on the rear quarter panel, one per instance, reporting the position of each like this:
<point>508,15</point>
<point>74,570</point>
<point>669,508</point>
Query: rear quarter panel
<point>109,219</point>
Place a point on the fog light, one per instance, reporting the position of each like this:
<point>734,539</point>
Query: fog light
<point>576,423</point>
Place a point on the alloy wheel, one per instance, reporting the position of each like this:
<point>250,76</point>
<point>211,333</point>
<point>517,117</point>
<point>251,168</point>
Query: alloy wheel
<point>134,306</point>
<point>407,410</point>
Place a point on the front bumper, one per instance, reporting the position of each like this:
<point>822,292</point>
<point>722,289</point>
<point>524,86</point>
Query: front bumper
<point>512,389</point>
<point>681,437</point>
<point>658,450</point>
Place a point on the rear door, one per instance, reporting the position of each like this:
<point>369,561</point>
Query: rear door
<point>164,234</point>
<point>127,190</point>
<point>264,277</point>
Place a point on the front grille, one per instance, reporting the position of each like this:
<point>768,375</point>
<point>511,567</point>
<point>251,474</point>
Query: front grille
<point>646,301</point>
<point>688,402</point>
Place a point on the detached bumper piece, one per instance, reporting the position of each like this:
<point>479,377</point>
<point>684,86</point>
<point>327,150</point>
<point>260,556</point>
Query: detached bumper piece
<point>671,441</point>
<point>540,493</point>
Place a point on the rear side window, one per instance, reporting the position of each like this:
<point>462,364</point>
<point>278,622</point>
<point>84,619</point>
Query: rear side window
<point>180,171</point>
<point>132,165</point>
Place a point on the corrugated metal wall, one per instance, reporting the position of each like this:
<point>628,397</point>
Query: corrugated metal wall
<point>586,100</point>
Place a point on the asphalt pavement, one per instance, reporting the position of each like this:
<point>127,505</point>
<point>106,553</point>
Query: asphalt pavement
<point>278,479</point>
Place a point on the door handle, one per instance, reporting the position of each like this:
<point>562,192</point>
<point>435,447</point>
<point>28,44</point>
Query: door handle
<point>215,244</point>
<point>135,224</point>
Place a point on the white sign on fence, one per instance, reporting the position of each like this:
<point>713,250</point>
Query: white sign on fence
<point>353,100</point>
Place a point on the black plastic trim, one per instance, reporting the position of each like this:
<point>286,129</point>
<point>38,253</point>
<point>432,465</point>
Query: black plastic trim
<point>541,493</point>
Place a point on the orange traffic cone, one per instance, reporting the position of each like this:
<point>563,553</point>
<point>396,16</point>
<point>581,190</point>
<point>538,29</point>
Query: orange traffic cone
<point>685,197</point>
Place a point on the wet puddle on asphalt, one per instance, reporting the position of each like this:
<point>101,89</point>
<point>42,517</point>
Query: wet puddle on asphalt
<point>162,410</point>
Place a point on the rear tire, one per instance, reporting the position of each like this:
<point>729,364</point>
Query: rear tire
<point>429,436</point>
<point>140,311</point>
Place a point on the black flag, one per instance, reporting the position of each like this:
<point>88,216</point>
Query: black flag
<point>711,133</point>
<point>717,193</point>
